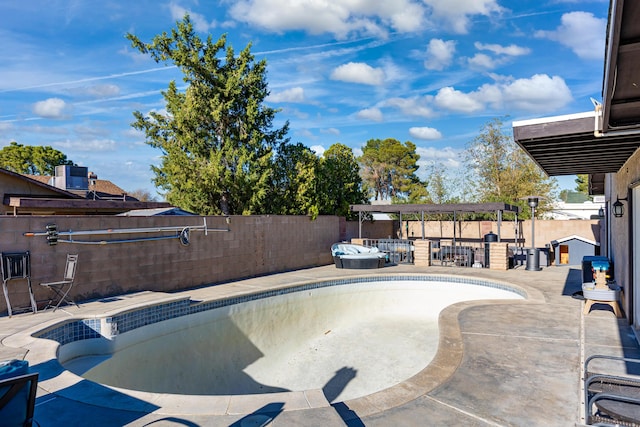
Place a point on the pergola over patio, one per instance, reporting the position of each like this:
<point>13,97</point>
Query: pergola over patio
<point>422,209</point>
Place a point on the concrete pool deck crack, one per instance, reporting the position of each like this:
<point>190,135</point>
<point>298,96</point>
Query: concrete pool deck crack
<point>468,414</point>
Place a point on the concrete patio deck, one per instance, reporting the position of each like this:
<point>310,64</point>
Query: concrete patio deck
<point>515,363</point>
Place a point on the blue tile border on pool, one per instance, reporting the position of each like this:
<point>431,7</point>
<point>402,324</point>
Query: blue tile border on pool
<point>77,330</point>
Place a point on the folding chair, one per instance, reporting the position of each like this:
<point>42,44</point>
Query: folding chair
<point>17,394</point>
<point>61,288</point>
<point>15,266</point>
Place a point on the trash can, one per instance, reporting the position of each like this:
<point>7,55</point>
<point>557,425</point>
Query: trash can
<point>533,259</point>
<point>488,239</point>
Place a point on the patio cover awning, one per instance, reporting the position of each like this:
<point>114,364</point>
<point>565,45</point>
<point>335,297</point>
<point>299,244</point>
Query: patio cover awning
<point>569,145</point>
<point>423,209</point>
<point>578,144</point>
<point>437,208</point>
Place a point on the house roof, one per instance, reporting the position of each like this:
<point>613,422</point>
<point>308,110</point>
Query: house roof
<point>170,211</point>
<point>51,200</point>
<point>599,141</point>
<point>37,182</point>
<point>57,206</point>
<point>100,186</point>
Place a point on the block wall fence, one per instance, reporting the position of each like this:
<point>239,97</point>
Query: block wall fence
<point>254,246</point>
<point>545,230</point>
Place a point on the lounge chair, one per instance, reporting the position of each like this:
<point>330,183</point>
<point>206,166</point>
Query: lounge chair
<point>612,399</point>
<point>347,255</point>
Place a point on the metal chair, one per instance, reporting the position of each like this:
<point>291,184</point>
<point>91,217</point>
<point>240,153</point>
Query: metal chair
<point>16,265</point>
<point>61,288</point>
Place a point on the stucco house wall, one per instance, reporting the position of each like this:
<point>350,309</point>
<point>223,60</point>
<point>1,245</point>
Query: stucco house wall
<point>621,229</point>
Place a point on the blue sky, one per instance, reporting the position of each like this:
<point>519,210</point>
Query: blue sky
<point>427,71</point>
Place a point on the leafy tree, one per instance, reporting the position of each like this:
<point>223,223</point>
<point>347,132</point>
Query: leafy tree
<point>502,172</point>
<point>441,187</point>
<point>142,195</point>
<point>582,183</point>
<point>388,169</point>
<point>33,160</point>
<point>294,181</point>
<point>339,181</point>
<point>216,137</point>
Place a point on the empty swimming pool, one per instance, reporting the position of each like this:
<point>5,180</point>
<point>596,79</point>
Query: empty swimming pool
<point>349,338</point>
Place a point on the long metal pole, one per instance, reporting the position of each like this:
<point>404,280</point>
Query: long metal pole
<point>109,231</point>
<point>533,219</point>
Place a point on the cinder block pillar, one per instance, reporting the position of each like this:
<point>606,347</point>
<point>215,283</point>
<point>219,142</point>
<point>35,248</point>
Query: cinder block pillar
<point>499,256</point>
<point>422,253</point>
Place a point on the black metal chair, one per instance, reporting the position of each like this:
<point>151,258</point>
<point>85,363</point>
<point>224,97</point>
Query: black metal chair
<point>16,265</point>
<point>61,288</point>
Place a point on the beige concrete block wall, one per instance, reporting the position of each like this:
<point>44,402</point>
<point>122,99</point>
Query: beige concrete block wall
<point>255,245</point>
<point>498,256</point>
<point>422,253</point>
<point>372,230</point>
<point>545,230</point>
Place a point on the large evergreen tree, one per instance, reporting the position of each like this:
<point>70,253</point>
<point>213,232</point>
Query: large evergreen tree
<point>32,159</point>
<point>216,136</point>
<point>294,181</point>
<point>339,181</point>
<point>388,170</point>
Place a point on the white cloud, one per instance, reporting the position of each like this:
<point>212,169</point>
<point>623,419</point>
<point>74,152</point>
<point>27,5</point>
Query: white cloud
<point>96,145</point>
<point>411,106</point>
<point>425,133</point>
<point>199,22</point>
<point>581,32</point>
<point>482,61</point>
<point>358,72</point>
<point>331,131</point>
<point>343,18</point>
<point>511,50</point>
<point>52,108</point>
<point>318,149</point>
<point>295,94</point>
<point>338,17</point>
<point>439,54</point>
<point>456,13</point>
<point>454,100</point>
<point>103,91</point>
<point>373,114</point>
<point>446,156</point>
<point>537,94</point>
